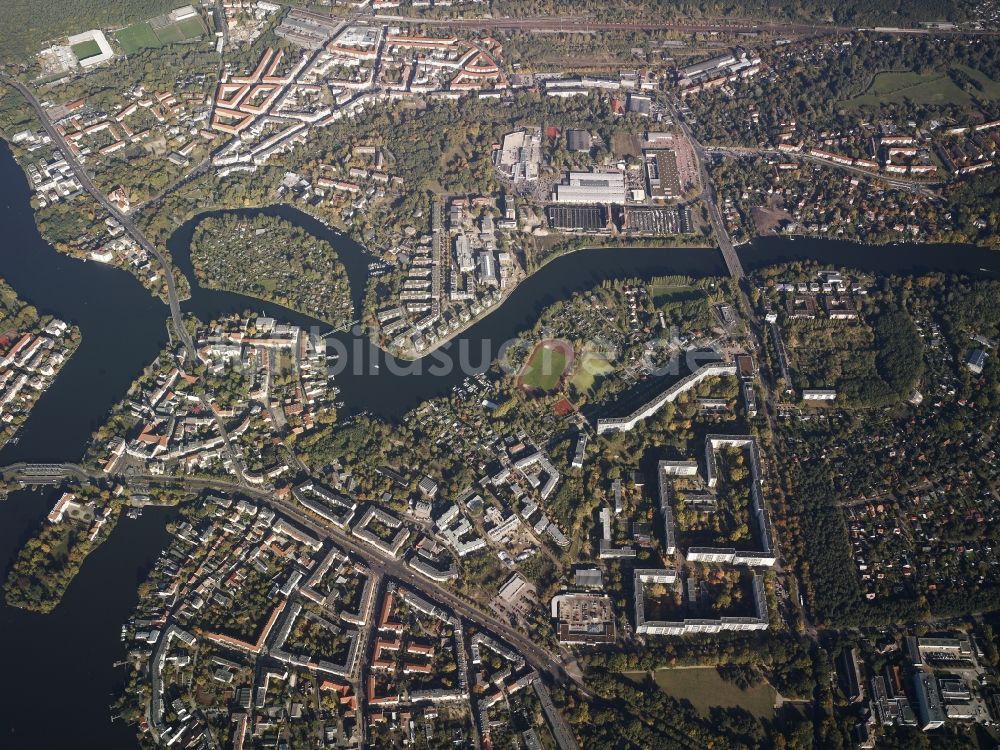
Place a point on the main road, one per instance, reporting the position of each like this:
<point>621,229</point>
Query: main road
<point>385,564</point>
<point>127,224</point>
<point>140,239</point>
<point>708,196</point>
<point>537,656</point>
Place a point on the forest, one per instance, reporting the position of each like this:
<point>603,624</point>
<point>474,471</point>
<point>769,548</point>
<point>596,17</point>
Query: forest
<point>817,80</point>
<point>27,24</point>
<point>15,315</point>
<point>905,12</point>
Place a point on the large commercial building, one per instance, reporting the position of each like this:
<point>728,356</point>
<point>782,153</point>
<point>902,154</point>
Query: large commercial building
<point>592,187</point>
<point>584,619</point>
<point>520,154</point>
<point>738,63</point>
<point>577,218</point>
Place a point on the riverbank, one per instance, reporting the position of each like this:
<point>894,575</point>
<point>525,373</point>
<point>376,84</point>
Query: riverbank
<point>273,260</point>
<point>673,242</point>
<point>411,355</point>
<point>123,331</point>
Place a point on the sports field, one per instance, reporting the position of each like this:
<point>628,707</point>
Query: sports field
<point>136,37</point>
<point>182,31</point>
<point>546,366</point>
<point>83,50</point>
<point>159,32</point>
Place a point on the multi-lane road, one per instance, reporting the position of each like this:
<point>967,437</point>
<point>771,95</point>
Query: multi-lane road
<point>708,196</point>
<point>540,658</point>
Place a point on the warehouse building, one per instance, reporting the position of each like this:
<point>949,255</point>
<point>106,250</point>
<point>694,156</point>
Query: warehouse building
<point>592,187</point>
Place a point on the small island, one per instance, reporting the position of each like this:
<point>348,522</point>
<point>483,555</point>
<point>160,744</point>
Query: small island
<point>273,260</point>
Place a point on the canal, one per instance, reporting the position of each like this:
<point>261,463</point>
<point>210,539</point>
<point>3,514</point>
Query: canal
<point>59,673</point>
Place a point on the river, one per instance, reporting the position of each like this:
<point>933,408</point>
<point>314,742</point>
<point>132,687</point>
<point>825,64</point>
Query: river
<point>59,678</point>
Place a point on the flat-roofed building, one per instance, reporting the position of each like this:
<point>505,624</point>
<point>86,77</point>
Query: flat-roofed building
<point>578,140</point>
<point>589,578</point>
<point>520,155</point>
<point>577,218</point>
<point>592,187</point>
<point>929,706</point>
<point>584,619</point>
<point>819,394</point>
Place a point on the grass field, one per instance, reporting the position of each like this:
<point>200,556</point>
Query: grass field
<point>661,294</point>
<point>183,31</point>
<point>136,37</point>
<point>990,88</point>
<point>143,36</point>
<point>83,50</point>
<point>590,367</point>
<point>626,144</point>
<point>704,687</point>
<point>546,366</point>
<point>934,88</point>
<point>925,88</point>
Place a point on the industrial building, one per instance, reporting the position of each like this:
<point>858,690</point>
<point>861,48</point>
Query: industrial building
<point>592,187</point>
<point>519,156</point>
<point>577,218</point>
